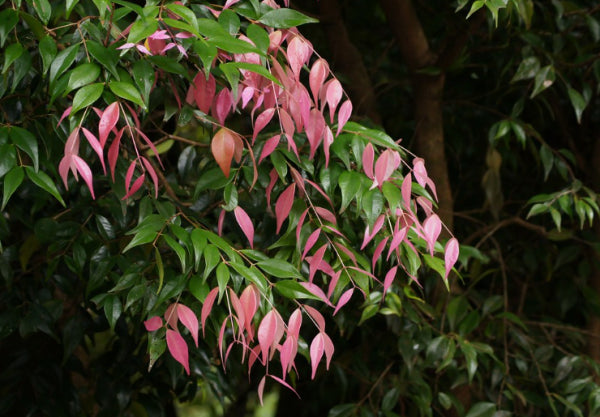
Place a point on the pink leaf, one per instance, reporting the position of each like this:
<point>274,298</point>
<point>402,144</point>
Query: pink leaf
<point>285,384</point>
<point>65,114</point>
<point>207,307</point>
<point>300,224</point>
<point>239,310</point>
<point>220,222</point>
<point>432,226</point>
<point>325,214</point>
<point>266,333</point>
<point>333,283</point>
<point>284,205</point>
<point>315,290</point>
<point>327,142</point>
<point>288,124</point>
<point>189,320</point>
<point>450,255</point>
<point>368,158</point>
<point>294,323</point>
<point>96,146</point>
<point>250,300</point>
<point>316,316</point>
<point>420,171</point>
<point>85,172</point>
<point>270,145</point>
<point>245,224</point>
<point>344,298</point>
<point>108,121</point>
<point>63,168</point>
<point>425,204</point>
<point>318,74</point>
<point>129,174</point>
<point>171,316</point>
<point>223,105</point>
<point>273,179</point>
<point>150,144</point>
<point>386,164</point>
<point>347,251</point>
<point>389,278</point>
<point>222,147</point>
<point>113,153</point>
<point>333,96</point>
<point>205,90</point>
<point>135,186</point>
<point>317,347</point>
<point>369,235</point>
<point>150,170</point>
<point>262,120</point>
<point>247,94</point>
<point>406,190</point>
<point>287,353</point>
<point>314,130</point>
<point>397,239</point>
<point>298,53</point>
<point>312,239</point>
<point>378,251</point>
<point>153,323</point>
<point>315,261</point>
<point>344,114</point>
<point>261,389</point>
<point>178,348</point>
<point>329,349</point>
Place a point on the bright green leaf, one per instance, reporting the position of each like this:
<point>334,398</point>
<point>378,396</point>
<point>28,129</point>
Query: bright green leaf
<point>127,91</point>
<point>86,96</point>
<point>12,180</point>
<point>285,18</point>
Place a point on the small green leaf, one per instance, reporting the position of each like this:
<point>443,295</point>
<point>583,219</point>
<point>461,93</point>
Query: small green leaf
<point>11,54</point>
<point>229,20</point>
<point>279,268</point>
<point>24,140</point>
<point>69,5</point>
<point>527,69</point>
<point>368,312</point>
<point>547,158</point>
<point>212,257</point>
<point>470,357</point>
<point>259,36</point>
<point>48,51</point>
<point>63,61</point>
<point>86,96</point>
<point>127,91</point>
<point>42,180</point>
<point>8,19</point>
<point>292,289</point>
<point>143,75</point>
<point>184,13</point>
<point>112,309</point>
<point>285,18</point>
<point>12,180</point>
<point>543,79</point>
<point>142,237</point>
<point>82,75</point>
<point>578,102</point>
<point>476,6</point>
<point>168,64</point>
<point>537,209</point>
<point>8,159</point>
<point>107,57</point>
<point>141,29</point>
<point>222,276</point>
<point>178,249</point>
<point>556,217</point>
<point>134,295</point>
<point>43,10</point>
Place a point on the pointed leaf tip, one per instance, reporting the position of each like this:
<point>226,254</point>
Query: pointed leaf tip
<point>178,349</point>
<point>245,224</point>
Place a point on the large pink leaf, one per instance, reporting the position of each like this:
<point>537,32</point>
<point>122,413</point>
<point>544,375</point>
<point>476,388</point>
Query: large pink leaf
<point>314,130</point>
<point>96,146</point>
<point>288,124</point>
<point>333,283</point>
<point>108,120</point>
<point>245,224</point>
<point>205,90</point>
<point>113,153</point>
<point>432,226</point>
<point>269,147</point>
<point>266,333</point>
<point>316,290</point>
<point>379,250</point>
<point>222,147</point>
<point>344,114</point>
<point>178,348</point>
<point>250,300</point>
<point>420,171</point>
<point>223,105</point>
<point>284,205</point>
<point>347,251</point>
<point>344,298</point>
<point>317,348</point>
<point>333,96</point>
<point>318,74</point>
<point>298,53</point>
<point>425,204</point>
<point>85,172</point>
<point>386,164</point>
<point>153,323</point>
<point>407,190</point>
<point>312,239</point>
<point>294,323</point>
<point>207,307</point>
<point>368,158</point>
<point>316,316</point>
<point>450,255</point>
<point>315,261</point>
<point>189,320</point>
<point>262,120</point>
<point>389,278</point>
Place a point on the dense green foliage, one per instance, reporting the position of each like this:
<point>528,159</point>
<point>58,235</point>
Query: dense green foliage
<point>83,267</point>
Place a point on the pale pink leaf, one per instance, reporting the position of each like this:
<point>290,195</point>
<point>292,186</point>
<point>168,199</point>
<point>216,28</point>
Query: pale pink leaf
<point>368,158</point>
<point>108,120</point>
<point>329,349</point>
<point>262,120</point>
<point>250,300</point>
<point>316,316</point>
<point>344,298</point>
<point>431,186</point>
<point>407,190</point>
<point>333,96</point>
<point>312,239</point>
<point>65,114</point>
<point>152,172</point>
<point>288,124</point>
<point>318,74</point>
<point>386,164</point>
<point>72,143</point>
<point>294,323</point>
<point>239,310</point>
<point>298,53</point>
<point>266,333</point>
<point>314,130</point>
<point>247,94</point>
<point>245,224</point>
<point>317,291</point>
<point>189,320</point>
<point>327,142</point>
<point>113,153</point>
<point>450,255</point>
<point>285,384</point>
<point>96,146</point>
<point>317,348</point>
<point>389,278</point>
<point>287,354</point>
<point>85,172</point>
<point>261,389</point>
<point>207,307</point>
<point>397,238</point>
<point>333,283</point>
<point>153,323</point>
<point>344,114</point>
<point>283,206</point>
<point>269,147</point>
<point>432,226</point>
<point>369,235</point>
<point>63,168</point>
<point>425,204</point>
<point>178,348</point>
<point>253,356</point>
<point>221,338</point>
<point>420,171</point>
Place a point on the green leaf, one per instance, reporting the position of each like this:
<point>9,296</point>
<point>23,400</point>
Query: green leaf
<point>279,268</point>
<point>8,19</point>
<point>24,140</point>
<point>20,69</point>
<point>82,75</point>
<point>578,102</point>
<point>222,277</point>
<point>63,61</point>
<point>228,43</point>
<point>12,180</point>
<point>537,209</point>
<point>42,180</point>
<point>112,309</point>
<point>292,289</point>
<point>107,57</point>
<point>198,244</point>
<point>233,78</point>
<point>134,295</point>
<point>11,54</point>
<point>547,158</point>
<point>43,10</point>
<point>350,184</point>
<point>476,6</point>
<point>86,96</point>
<point>259,36</point>
<point>482,409</point>
<point>178,249</point>
<point>69,6</point>
<point>127,91</point>
<point>142,237</point>
<point>543,79</point>
<point>48,51</point>
<point>141,29</point>
<point>470,357</point>
<point>206,52</point>
<point>253,275</point>
<point>8,159</point>
<point>343,410</point>
<point>285,18</point>
<point>368,312</point>
<point>556,217</point>
<point>528,68</point>
<point>229,20</point>
<point>168,64</point>
<point>184,13</point>
<point>212,257</point>
<point>258,69</point>
<point>143,75</point>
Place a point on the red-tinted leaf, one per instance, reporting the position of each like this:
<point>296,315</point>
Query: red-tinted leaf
<point>239,310</point>
<point>221,338</point>
<point>113,153</point>
<point>300,224</point>
<point>314,130</point>
<point>327,142</point>
<point>316,316</point>
<point>285,384</point>
<point>397,239</point>
<point>273,179</point>
<point>65,114</point>
<point>178,349</point>
<point>63,168</point>
<point>269,147</point>
<point>369,235</point>
<point>135,186</point>
<point>93,141</point>
<point>378,251</point>
<point>298,179</point>
<point>284,205</point>
<point>406,190</point>
<point>389,278</point>
<point>223,105</point>
<point>420,171</point>
<point>346,251</point>
<point>368,159</point>
<point>250,300</point>
<point>294,323</point>
<point>129,174</point>
<point>266,333</point>
<point>316,290</point>
<point>189,320</point>
<point>261,389</point>
<point>333,283</point>
<point>333,96</point>
<point>247,94</point>
<point>151,145</point>
<point>317,348</point>
<point>108,120</point>
<point>262,120</point>
<point>344,298</point>
<point>298,53</point>
<point>223,148</point>
<point>287,354</point>
<point>325,214</point>
<point>152,172</point>
<point>171,316</point>
<point>205,90</point>
<point>312,239</point>
<point>288,124</point>
<point>220,222</point>
<point>85,172</point>
<point>432,226</point>
<point>450,255</point>
<point>344,114</point>
<point>245,224</point>
<point>318,74</point>
<point>153,323</point>
<point>207,307</point>
<point>315,261</point>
